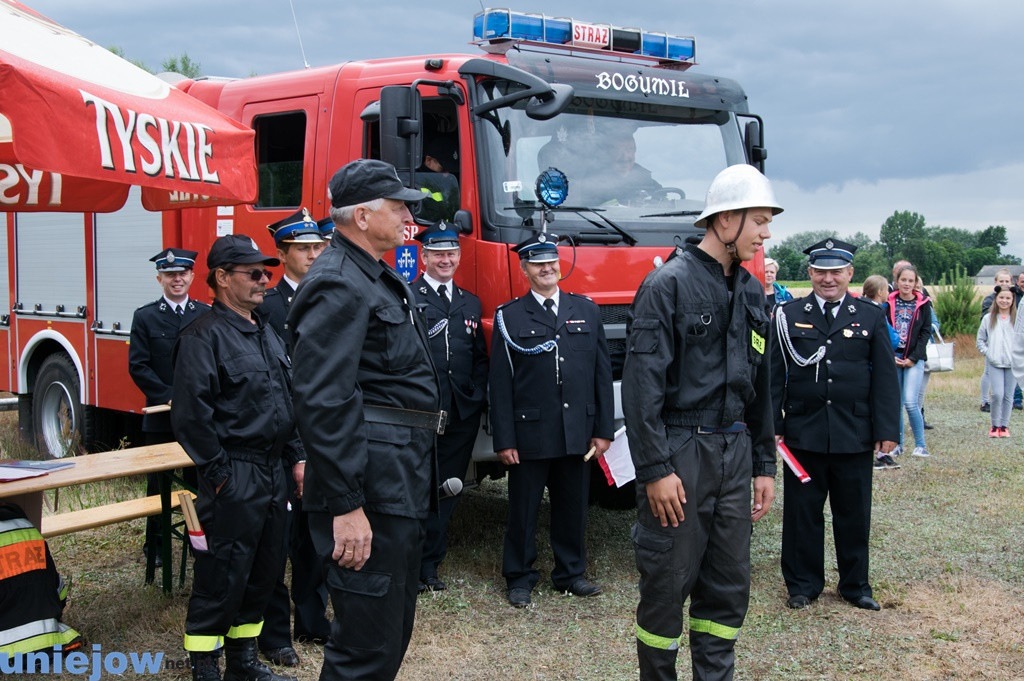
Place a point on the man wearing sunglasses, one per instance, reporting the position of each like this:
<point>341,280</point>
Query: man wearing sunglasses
<point>233,416</point>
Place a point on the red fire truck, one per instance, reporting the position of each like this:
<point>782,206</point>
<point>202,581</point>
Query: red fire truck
<point>636,133</point>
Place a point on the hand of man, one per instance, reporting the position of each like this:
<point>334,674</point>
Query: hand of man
<point>299,473</point>
<point>600,445</point>
<point>352,539</point>
<point>509,457</point>
<point>764,495</point>
<point>667,497</point>
<point>885,446</point>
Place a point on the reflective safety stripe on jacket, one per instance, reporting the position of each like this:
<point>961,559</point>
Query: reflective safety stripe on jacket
<point>31,591</point>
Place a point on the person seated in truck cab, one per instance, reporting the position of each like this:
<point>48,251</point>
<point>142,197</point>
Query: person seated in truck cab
<point>438,179</point>
<point>620,179</point>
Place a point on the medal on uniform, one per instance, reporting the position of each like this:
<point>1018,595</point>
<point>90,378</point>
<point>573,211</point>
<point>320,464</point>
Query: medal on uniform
<point>469,326</point>
<point>847,333</point>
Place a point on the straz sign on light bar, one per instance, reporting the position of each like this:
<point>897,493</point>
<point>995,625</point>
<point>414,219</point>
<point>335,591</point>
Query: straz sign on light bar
<point>591,35</point>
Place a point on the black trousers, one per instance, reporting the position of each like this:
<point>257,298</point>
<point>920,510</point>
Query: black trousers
<point>706,559</point>
<point>307,585</point>
<point>374,607</point>
<point>846,480</point>
<point>244,527</point>
<point>567,479</point>
<point>454,450</point>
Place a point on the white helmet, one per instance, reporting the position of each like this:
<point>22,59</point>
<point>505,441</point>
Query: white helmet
<point>735,188</point>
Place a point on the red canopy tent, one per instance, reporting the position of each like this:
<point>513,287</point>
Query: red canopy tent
<point>79,125</point>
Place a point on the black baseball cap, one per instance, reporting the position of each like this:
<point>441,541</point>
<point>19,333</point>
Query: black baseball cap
<point>365,180</point>
<point>237,249</point>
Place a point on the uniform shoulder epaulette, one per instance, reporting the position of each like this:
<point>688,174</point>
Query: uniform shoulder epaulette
<point>271,292</point>
<point>506,304</point>
<point>789,302</point>
<point>580,295</point>
<point>151,303</point>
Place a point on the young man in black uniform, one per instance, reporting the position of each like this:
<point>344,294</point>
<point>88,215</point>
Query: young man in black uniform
<point>452,316</point>
<point>155,328</point>
<point>551,401</point>
<point>233,416</point>
<point>299,242</point>
<point>837,401</point>
<point>366,398</point>
<point>695,394</point>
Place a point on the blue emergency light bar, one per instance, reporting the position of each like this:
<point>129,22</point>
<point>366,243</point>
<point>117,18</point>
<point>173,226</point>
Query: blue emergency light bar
<point>498,25</point>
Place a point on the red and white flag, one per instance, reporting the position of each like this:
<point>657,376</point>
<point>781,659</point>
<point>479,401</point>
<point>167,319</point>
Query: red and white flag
<point>617,463</point>
<point>791,461</point>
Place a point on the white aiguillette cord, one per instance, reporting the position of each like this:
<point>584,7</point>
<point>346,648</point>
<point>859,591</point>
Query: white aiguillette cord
<point>783,330</point>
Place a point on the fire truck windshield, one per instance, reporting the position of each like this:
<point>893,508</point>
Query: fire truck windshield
<point>643,166</point>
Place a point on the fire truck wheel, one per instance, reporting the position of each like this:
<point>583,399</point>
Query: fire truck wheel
<point>58,418</point>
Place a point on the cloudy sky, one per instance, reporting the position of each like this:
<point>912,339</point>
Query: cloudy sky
<point>870,106</point>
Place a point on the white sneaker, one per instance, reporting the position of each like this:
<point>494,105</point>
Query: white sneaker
<point>896,451</point>
<point>920,451</point>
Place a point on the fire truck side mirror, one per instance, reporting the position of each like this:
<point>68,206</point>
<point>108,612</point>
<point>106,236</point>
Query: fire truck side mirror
<point>401,114</point>
<point>550,104</point>
<point>753,140</point>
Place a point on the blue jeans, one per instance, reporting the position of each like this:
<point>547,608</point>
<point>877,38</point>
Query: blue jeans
<point>910,388</point>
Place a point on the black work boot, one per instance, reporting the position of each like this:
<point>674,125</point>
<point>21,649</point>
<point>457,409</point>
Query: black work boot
<point>243,663</point>
<point>205,666</point>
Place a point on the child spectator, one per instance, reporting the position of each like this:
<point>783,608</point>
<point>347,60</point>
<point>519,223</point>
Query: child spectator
<point>910,313</point>
<point>995,341</point>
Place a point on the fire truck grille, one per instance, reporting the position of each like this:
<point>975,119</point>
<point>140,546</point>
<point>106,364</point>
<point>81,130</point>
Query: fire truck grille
<point>613,317</point>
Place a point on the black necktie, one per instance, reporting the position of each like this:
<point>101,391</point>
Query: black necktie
<point>179,310</point>
<point>549,305</point>
<point>829,317</point>
<point>442,290</point>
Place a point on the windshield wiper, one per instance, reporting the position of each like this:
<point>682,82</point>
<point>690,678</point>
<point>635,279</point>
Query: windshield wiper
<point>673,214</point>
<point>626,236</point>
<point>578,210</point>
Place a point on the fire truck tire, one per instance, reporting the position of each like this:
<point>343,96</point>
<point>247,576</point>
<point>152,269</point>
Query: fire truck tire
<point>59,421</point>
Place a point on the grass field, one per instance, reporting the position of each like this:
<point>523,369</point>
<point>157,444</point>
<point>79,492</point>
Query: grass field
<point>947,566</point>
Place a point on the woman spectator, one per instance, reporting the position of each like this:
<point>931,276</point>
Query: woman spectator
<point>774,292</point>
<point>910,313</point>
<point>995,341</point>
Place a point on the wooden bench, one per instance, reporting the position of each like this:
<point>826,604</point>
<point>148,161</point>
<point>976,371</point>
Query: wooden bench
<point>98,516</point>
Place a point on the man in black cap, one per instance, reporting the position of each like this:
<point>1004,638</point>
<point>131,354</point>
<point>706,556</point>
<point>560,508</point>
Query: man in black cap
<point>299,242</point>
<point>366,399</point>
<point>836,399</point>
<point>233,416</point>
<point>551,402</point>
<point>452,315</point>
<point>155,328</point>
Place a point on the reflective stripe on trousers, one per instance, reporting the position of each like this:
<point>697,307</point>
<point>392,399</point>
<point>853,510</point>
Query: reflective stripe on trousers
<point>706,559</point>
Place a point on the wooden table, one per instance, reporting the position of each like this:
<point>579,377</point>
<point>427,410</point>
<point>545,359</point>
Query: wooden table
<point>162,459</point>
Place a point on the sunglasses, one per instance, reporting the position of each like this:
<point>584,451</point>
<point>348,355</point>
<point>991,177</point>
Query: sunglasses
<point>254,275</point>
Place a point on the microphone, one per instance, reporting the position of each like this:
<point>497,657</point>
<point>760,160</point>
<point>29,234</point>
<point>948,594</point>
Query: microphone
<point>451,487</point>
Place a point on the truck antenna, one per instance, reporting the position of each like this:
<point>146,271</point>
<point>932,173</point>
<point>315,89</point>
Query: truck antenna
<point>297,33</point>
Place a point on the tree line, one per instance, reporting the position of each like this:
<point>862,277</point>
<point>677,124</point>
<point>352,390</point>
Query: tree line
<point>904,235</point>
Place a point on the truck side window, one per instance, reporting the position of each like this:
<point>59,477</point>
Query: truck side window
<point>280,151</point>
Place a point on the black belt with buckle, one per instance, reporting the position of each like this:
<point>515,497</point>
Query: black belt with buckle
<point>736,427</point>
<point>427,420</point>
